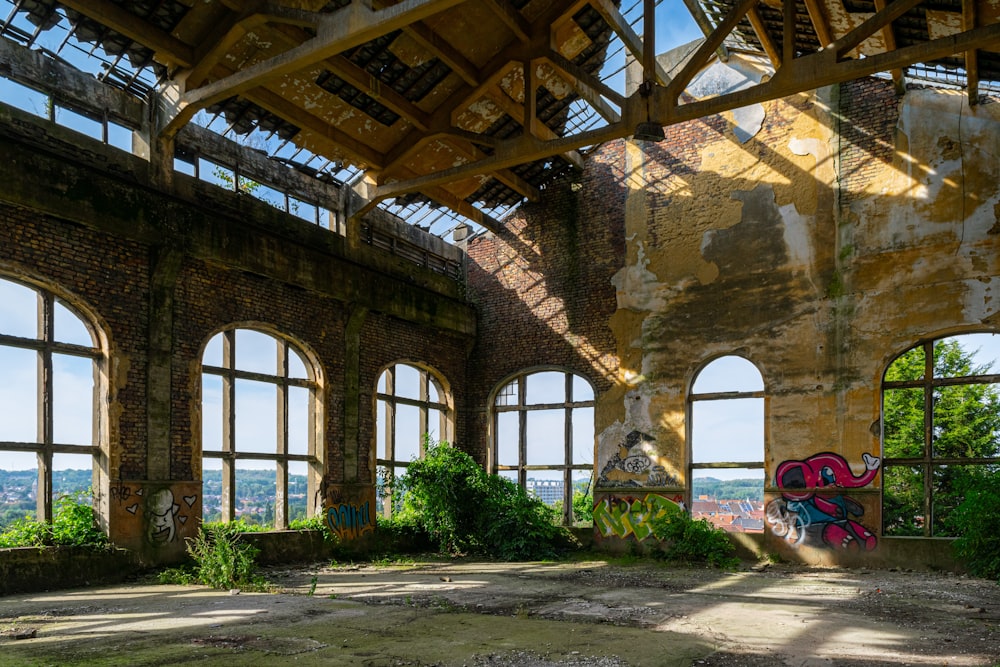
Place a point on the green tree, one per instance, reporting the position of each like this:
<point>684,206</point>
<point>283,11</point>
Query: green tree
<point>965,424</point>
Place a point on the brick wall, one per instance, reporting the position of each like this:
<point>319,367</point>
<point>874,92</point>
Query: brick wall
<point>869,112</point>
<point>543,288</point>
<point>107,278</point>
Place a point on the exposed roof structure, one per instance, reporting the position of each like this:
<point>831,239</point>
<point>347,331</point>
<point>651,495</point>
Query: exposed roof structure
<point>475,105</point>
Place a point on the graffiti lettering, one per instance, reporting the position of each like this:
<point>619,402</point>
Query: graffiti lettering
<point>348,521</point>
<point>801,516</point>
<point>121,492</point>
<point>621,516</point>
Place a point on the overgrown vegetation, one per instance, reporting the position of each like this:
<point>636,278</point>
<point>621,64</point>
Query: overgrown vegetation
<point>693,540</point>
<point>977,520</point>
<point>73,525</point>
<point>221,559</point>
<point>466,510</point>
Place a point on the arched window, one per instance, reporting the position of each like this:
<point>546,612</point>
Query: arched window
<point>412,407</point>
<point>940,430</point>
<point>52,410</point>
<point>543,426</point>
<point>259,429</point>
<point>727,445</point>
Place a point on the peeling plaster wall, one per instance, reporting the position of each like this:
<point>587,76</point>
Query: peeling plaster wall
<point>831,233</point>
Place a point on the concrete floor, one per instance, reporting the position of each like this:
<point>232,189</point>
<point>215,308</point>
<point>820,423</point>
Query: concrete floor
<point>538,614</point>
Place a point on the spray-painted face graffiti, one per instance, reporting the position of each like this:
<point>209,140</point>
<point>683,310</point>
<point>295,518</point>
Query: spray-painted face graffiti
<point>632,465</point>
<point>161,512</point>
<point>803,517</point>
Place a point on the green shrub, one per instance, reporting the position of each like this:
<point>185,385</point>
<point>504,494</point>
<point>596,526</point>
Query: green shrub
<point>223,560</point>
<point>977,522</point>
<point>464,509</point>
<point>73,525</point>
<point>694,540</point>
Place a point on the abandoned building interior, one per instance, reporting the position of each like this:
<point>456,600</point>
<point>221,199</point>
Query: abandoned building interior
<point>299,240</point>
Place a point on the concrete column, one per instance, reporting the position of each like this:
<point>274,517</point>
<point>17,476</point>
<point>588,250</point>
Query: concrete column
<point>352,392</point>
<point>165,263</point>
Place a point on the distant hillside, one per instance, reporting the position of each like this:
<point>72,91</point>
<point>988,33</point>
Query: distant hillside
<point>729,489</point>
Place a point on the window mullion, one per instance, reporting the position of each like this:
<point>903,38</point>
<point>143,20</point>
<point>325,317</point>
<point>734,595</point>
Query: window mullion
<point>46,323</point>
<point>522,431</point>
<point>928,436</point>
<point>281,469</point>
<point>228,500</point>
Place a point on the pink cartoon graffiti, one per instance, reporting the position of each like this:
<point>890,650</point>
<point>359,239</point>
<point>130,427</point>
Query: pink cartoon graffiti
<point>802,516</point>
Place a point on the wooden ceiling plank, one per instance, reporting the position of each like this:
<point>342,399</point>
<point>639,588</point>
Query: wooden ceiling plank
<point>889,36</point>
<point>530,106</point>
<point>819,22</point>
<point>511,17</point>
<point>283,108</point>
<point>760,29</point>
<point>338,31</point>
<point>112,15</point>
<point>969,20</point>
<point>874,23</point>
<point>631,40</point>
<point>487,82</point>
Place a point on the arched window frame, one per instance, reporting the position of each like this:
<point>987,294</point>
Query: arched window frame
<point>46,345</point>
<point>499,405</point>
<point>230,453</point>
<point>694,397</point>
<point>928,461</point>
<point>386,459</point>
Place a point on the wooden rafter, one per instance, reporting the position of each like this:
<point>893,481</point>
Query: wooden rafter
<point>969,21</point>
<point>439,47</point>
<point>890,43</point>
<point>760,29</point>
<point>511,17</point>
<point>589,88</point>
<point>359,151</point>
<point>806,72</point>
<point>819,22</point>
<point>631,40</point>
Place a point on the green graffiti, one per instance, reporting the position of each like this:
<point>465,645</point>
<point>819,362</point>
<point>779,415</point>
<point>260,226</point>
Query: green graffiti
<point>621,516</point>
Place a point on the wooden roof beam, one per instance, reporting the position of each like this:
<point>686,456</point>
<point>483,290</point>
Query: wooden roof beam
<point>876,22</point>
<point>511,17</point>
<point>631,40</point>
<point>337,31</point>
<point>760,29</point>
<point>481,218</point>
<point>890,44</point>
<point>587,87</point>
<point>804,73</point>
<point>972,55</point>
<point>704,52</point>
<point>341,141</point>
<point>819,22</point>
<point>438,47</point>
<point>120,20</point>
<point>701,19</point>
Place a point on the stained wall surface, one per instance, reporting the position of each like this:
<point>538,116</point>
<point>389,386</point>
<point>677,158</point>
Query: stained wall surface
<point>816,236</point>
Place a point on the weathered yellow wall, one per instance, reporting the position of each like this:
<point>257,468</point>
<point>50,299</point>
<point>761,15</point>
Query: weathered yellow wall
<point>815,254</point>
